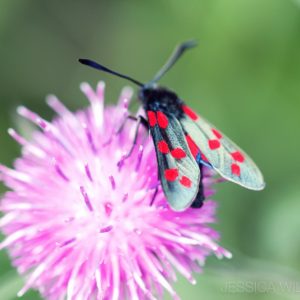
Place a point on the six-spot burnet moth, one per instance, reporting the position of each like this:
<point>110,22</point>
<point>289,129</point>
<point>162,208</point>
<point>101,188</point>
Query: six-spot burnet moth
<point>185,141</point>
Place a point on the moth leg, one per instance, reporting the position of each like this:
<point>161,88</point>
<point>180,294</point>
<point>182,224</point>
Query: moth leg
<point>121,127</point>
<point>154,196</point>
<point>140,120</point>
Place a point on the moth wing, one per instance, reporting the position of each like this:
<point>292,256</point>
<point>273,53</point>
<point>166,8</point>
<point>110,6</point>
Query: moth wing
<point>179,173</point>
<point>224,155</point>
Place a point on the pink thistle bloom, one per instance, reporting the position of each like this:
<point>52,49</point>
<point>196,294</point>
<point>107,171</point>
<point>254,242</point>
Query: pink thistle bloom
<point>78,224</point>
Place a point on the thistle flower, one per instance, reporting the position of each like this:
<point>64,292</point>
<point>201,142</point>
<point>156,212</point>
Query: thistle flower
<point>78,219</point>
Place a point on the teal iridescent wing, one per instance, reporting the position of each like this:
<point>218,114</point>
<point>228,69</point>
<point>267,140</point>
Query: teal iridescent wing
<point>223,155</point>
<point>179,172</point>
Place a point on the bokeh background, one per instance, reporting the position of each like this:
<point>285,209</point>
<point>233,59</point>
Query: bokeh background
<point>244,77</point>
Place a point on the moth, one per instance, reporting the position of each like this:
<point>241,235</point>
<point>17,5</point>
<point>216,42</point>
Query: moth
<point>185,141</point>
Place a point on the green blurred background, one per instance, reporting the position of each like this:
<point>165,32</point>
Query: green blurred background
<point>244,77</point>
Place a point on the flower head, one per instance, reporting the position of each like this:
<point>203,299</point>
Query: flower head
<point>82,222</point>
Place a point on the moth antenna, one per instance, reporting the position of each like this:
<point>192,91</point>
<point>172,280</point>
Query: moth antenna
<point>100,67</point>
<point>177,53</point>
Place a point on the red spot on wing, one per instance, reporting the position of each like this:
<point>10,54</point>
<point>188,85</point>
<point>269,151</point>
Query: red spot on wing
<point>163,147</point>
<point>217,133</point>
<point>238,156</point>
<point>192,145</point>
<point>151,118</point>
<point>235,169</point>
<point>194,148</point>
<point>214,144</point>
<point>189,112</point>
<point>178,153</point>
<point>171,174</point>
<point>185,181</point>
<point>162,120</point>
